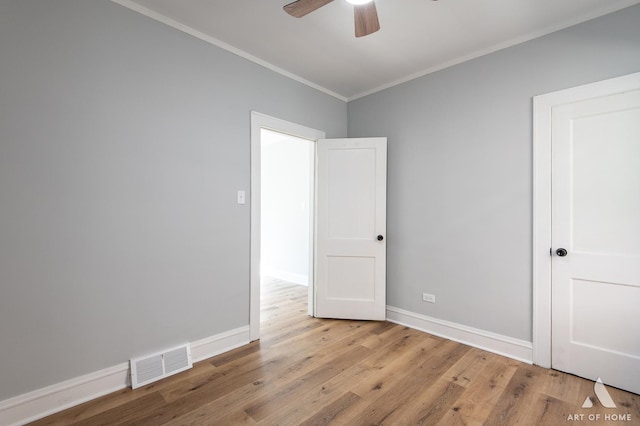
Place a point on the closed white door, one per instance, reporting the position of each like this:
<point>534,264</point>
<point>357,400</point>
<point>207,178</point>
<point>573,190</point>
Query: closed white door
<point>350,240</point>
<point>596,239</point>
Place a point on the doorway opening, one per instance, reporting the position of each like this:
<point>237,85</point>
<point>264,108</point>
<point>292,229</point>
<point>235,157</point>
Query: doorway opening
<point>287,193</point>
<point>282,209</point>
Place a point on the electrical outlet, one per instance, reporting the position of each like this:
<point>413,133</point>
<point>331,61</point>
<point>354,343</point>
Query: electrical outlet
<point>426,297</point>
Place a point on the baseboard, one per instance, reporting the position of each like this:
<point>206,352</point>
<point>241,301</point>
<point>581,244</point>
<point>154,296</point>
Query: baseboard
<point>52,399</point>
<point>43,402</point>
<point>220,343</point>
<point>291,277</point>
<point>517,349</point>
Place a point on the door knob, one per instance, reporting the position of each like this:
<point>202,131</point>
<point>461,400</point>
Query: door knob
<point>561,252</point>
<point>380,237</point>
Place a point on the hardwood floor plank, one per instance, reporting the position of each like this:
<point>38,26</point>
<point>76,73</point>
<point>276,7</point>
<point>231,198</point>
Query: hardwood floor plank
<point>331,391</point>
<point>278,379</point>
<point>233,377</point>
<point>226,406</point>
<point>310,371</point>
<point>381,376</point>
<point>235,401</point>
<point>126,414</point>
<point>260,409</point>
<point>548,410</point>
<point>288,331</point>
<point>329,412</point>
<point>234,355</point>
<point>323,394</point>
<point>397,342</point>
<point>470,366</point>
<point>482,394</point>
<point>518,397</point>
<point>395,395</point>
<point>566,387</point>
<point>427,407</point>
<point>209,418</point>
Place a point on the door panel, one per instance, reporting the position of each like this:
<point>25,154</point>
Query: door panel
<point>349,278</point>
<point>606,171</point>
<point>351,213</point>
<point>592,323</point>
<point>596,217</point>
<point>351,173</point>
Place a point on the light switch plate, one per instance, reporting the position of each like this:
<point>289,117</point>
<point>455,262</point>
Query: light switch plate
<point>241,197</point>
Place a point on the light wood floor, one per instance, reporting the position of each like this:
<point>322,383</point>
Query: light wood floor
<point>308,371</point>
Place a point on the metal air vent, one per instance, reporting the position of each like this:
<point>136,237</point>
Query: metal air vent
<point>150,368</point>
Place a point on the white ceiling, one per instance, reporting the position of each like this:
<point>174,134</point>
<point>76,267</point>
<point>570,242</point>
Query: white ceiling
<point>416,36</point>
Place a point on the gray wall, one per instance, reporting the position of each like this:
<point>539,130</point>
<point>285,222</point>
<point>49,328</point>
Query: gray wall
<point>123,141</point>
<point>460,170</point>
<point>122,145</point>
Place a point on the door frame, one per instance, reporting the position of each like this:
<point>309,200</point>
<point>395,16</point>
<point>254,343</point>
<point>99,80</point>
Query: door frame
<point>542,208</point>
<point>261,121</point>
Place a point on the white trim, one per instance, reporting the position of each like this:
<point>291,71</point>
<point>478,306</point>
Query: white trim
<point>541,333</point>
<point>311,278</point>
<point>517,349</point>
<point>43,402</point>
<point>220,343</point>
<point>283,275</point>
<point>542,241</point>
<point>261,121</point>
<point>221,44</point>
<point>608,8</point>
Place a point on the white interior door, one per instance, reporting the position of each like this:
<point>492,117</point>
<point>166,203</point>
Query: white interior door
<point>596,220</point>
<point>350,255</point>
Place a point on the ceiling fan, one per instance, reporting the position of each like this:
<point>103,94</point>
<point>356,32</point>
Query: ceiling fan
<point>365,13</point>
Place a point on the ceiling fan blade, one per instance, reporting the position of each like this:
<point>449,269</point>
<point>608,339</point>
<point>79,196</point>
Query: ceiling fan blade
<point>302,7</point>
<point>366,19</point>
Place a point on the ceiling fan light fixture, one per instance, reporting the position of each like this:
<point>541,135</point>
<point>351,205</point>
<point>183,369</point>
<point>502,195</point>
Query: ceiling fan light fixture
<point>364,13</point>
<point>358,2</point>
